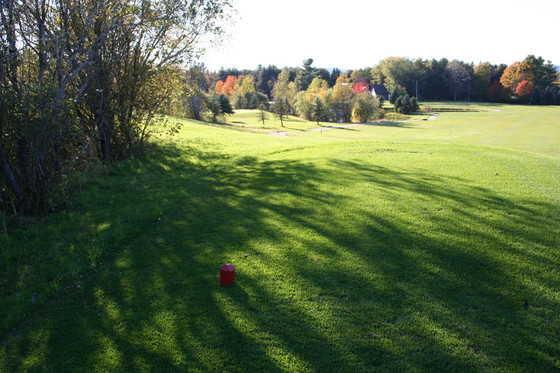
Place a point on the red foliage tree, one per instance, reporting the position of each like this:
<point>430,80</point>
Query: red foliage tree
<point>524,88</point>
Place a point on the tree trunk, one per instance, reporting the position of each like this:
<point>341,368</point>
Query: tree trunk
<point>10,177</point>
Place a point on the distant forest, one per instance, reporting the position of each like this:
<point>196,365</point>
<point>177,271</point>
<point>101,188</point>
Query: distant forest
<point>531,81</point>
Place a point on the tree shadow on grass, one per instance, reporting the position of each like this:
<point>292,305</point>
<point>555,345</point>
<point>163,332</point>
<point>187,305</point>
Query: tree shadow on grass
<point>127,279</point>
<point>389,123</point>
<point>456,109</point>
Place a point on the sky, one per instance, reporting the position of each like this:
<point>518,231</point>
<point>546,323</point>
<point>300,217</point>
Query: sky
<point>358,33</point>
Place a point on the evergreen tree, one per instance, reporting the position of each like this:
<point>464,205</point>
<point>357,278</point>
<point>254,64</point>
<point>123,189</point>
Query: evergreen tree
<point>213,105</point>
<point>318,111</point>
<point>225,105</point>
<point>335,73</point>
<point>536,97</point>
<point>305,75</point>
<point>397,92</point>
<point>406,104</point>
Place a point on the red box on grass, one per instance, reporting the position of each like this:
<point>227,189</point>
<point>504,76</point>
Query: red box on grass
<point>227,274</point>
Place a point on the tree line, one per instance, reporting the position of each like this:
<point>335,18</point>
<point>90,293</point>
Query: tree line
<point>334,95</point>
<point>83,81</point>
<point>530,81</point>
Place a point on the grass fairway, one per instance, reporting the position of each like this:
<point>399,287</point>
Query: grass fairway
<point>423,244</point>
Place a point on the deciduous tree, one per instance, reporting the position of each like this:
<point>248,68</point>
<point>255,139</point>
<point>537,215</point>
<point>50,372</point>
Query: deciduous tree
<point>459,78</point>
<point>340,100</point>
<point>364,107</point>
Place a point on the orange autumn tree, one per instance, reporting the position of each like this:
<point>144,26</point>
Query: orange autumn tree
<point>229,85</point>
<point>219,87</point>
<point>515,74</point>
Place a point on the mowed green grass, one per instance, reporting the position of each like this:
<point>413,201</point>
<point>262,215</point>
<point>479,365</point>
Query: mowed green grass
<point>430,243</point>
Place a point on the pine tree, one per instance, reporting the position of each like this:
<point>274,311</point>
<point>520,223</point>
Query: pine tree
<point>318,111</point>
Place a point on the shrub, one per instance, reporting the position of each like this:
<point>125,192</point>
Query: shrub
<point>406,104</point>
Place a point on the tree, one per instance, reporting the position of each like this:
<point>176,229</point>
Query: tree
<point>214,106</point>
<point>318,87</point>
<point>341,99</point>
<point>284,90</point>
<point>396,93</point>
<point>262,116</point>
<point>364,107</point>
<point>305,100</point>
<point>497,92</point>
<point>305,75</point>
<point>318,111</point>
<point>459,78</point>
<point>229,85</point>
<point>523,78</point>
<point>435,81</point>
<point>282,108</point>
<point>303,105</point>
<point>414,107</point>
<point>551,96</point>
<point>225,105</point>
<point>482,78</point>
<point>219,87</point>
<point>524,89</point>
<point>218,105</point>
<point>395,71</point>
<point>406,104</point>
<point>360,75</point>
<point>265,78</point>
<point>245,89</point>
<point>194,99</point>
<point>335,73</point>
<point>514,74</point>
<point>544,73</point>
<point>87,79</point>
<point>536,98</point>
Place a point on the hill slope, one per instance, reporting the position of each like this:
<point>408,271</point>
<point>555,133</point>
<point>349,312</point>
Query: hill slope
<point>419,244</point>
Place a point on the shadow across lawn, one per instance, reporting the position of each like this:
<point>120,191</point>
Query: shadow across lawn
<point>455,109</point>
<point>389,123</point>
<point>127,279</point>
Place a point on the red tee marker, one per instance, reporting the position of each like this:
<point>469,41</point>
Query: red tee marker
<point>227,274</point>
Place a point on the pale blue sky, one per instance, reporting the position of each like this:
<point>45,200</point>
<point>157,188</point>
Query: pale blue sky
<point>354,33</point>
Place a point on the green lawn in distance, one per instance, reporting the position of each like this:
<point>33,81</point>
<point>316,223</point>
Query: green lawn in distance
<point>430,242</point>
